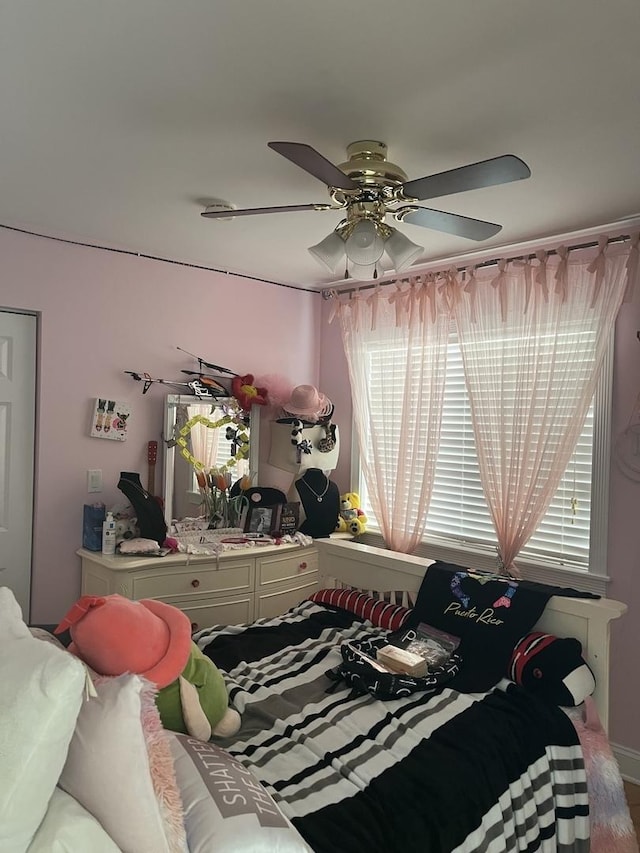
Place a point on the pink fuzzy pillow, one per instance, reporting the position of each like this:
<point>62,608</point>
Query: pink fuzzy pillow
<point>612,829</point>
<point>120,767</point>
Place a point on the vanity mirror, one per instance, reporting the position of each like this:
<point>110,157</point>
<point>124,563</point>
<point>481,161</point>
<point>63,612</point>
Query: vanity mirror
<point>204,434</point>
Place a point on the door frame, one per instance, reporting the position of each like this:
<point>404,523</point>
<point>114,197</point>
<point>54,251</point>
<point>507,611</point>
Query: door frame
<point>32,461</point>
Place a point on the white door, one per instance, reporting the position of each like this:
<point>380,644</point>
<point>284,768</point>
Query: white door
<point>17,431</point>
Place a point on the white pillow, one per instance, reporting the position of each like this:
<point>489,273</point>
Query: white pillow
<point>69,828</point>
<point>226,808</point>
<point>120,768</point>
<point>12,625</point>
<point>41,689</point>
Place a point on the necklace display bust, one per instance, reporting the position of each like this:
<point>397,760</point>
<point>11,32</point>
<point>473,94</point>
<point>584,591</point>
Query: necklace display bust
<point>320,502</point>
<point>149,514</point>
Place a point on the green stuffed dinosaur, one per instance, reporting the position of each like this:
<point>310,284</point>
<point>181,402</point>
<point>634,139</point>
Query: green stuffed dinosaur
<point>196,703</point>
<point>114,635</point>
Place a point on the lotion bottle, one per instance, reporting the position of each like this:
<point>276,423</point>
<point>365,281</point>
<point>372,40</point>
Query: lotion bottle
<point>109,535</point>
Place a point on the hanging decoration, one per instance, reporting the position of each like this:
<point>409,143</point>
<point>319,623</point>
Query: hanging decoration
<point>236,433</point>
<point>302,444</point>
<point>246,393</point>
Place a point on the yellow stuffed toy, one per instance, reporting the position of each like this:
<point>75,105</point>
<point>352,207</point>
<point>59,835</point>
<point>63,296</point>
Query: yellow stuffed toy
<point>351,518</point>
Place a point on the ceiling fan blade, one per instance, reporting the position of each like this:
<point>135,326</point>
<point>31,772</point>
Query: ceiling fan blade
<point>486,173</point>
<point>251,211</point>
<point>451,223</point>
<point>313,162</point>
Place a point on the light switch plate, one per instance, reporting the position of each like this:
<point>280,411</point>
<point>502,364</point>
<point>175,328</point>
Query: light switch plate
<point>94,480</point>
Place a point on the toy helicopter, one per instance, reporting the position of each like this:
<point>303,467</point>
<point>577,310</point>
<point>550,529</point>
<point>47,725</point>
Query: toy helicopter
<point>202,386</point>
<point>202,363</point>
<point>209,389</point>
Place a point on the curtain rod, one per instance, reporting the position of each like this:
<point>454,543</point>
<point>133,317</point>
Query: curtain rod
<point>329,293</point>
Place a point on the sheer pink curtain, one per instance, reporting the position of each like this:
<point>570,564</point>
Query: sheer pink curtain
<point>395,340</point>
<point>533,337</point>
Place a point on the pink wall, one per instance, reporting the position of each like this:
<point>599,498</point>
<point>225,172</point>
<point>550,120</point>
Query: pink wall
<point>101,314</point>
<point>623,563</point>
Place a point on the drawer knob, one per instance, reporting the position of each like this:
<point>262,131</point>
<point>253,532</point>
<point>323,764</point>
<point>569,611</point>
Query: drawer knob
<point>195,583</point>
<point>302,566</point>
<point>194,626</point>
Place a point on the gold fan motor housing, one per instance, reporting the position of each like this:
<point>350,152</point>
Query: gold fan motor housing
<point>368,165</point>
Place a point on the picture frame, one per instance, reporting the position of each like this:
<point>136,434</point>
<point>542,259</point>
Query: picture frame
<point>288,519</point>
<point>109,419</point>
<point>261,519</point>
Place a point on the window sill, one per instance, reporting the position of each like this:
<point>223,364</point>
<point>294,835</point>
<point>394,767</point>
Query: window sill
<point>485,560</point>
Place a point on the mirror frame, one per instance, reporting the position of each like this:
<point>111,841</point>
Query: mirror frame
<point>172,401</point>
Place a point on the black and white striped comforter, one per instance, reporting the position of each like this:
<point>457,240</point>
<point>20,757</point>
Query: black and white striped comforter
<point>449,772</point>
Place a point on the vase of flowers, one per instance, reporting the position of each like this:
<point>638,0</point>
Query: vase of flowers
<point>218,506</point>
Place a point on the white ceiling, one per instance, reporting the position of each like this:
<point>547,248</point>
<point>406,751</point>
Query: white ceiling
<point>120,119</point>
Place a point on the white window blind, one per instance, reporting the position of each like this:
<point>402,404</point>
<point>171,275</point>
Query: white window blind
<point>458,512</point>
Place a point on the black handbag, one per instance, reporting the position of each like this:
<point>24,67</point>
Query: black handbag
<point>358,670</point>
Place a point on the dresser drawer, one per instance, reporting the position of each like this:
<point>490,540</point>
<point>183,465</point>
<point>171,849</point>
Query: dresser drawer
<point>234,610</point>
<point>276,600</point>
<point>193,580</point>
<point>277,568</point>
<point>97,581</point>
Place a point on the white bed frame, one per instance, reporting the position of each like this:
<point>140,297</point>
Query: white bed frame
<point>370,568</point>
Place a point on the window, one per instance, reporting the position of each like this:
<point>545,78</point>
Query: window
<point>572,535</point>
<point>223,454</point>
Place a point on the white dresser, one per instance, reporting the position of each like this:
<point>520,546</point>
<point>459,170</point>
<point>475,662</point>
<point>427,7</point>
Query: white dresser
<point>238,586</point>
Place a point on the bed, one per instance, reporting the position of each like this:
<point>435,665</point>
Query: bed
<point>442,771</point>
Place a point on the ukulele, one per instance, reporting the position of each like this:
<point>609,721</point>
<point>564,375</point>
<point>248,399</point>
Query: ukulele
<point>152,457</point>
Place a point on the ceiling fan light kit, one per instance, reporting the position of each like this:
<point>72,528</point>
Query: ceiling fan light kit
<point>369,188</point>
<point>401,250</point>
<point>329,251</point>
<point>364,246</point>
<point>361,272</point>
<point>358,247</point>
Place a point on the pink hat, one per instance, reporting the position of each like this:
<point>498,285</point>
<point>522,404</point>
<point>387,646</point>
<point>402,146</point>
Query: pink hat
<point>115,635</point>
<point>308,402</point>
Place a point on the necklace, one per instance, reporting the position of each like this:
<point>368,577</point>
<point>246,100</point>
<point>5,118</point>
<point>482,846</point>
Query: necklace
<point>313,491</point>
<point>137,486</point>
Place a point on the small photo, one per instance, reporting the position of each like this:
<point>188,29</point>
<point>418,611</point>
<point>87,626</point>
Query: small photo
<point>289,518</point>
<point>260,519</point>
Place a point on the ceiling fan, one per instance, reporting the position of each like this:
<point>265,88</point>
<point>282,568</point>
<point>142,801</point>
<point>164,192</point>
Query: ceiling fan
<point>369,188</point>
